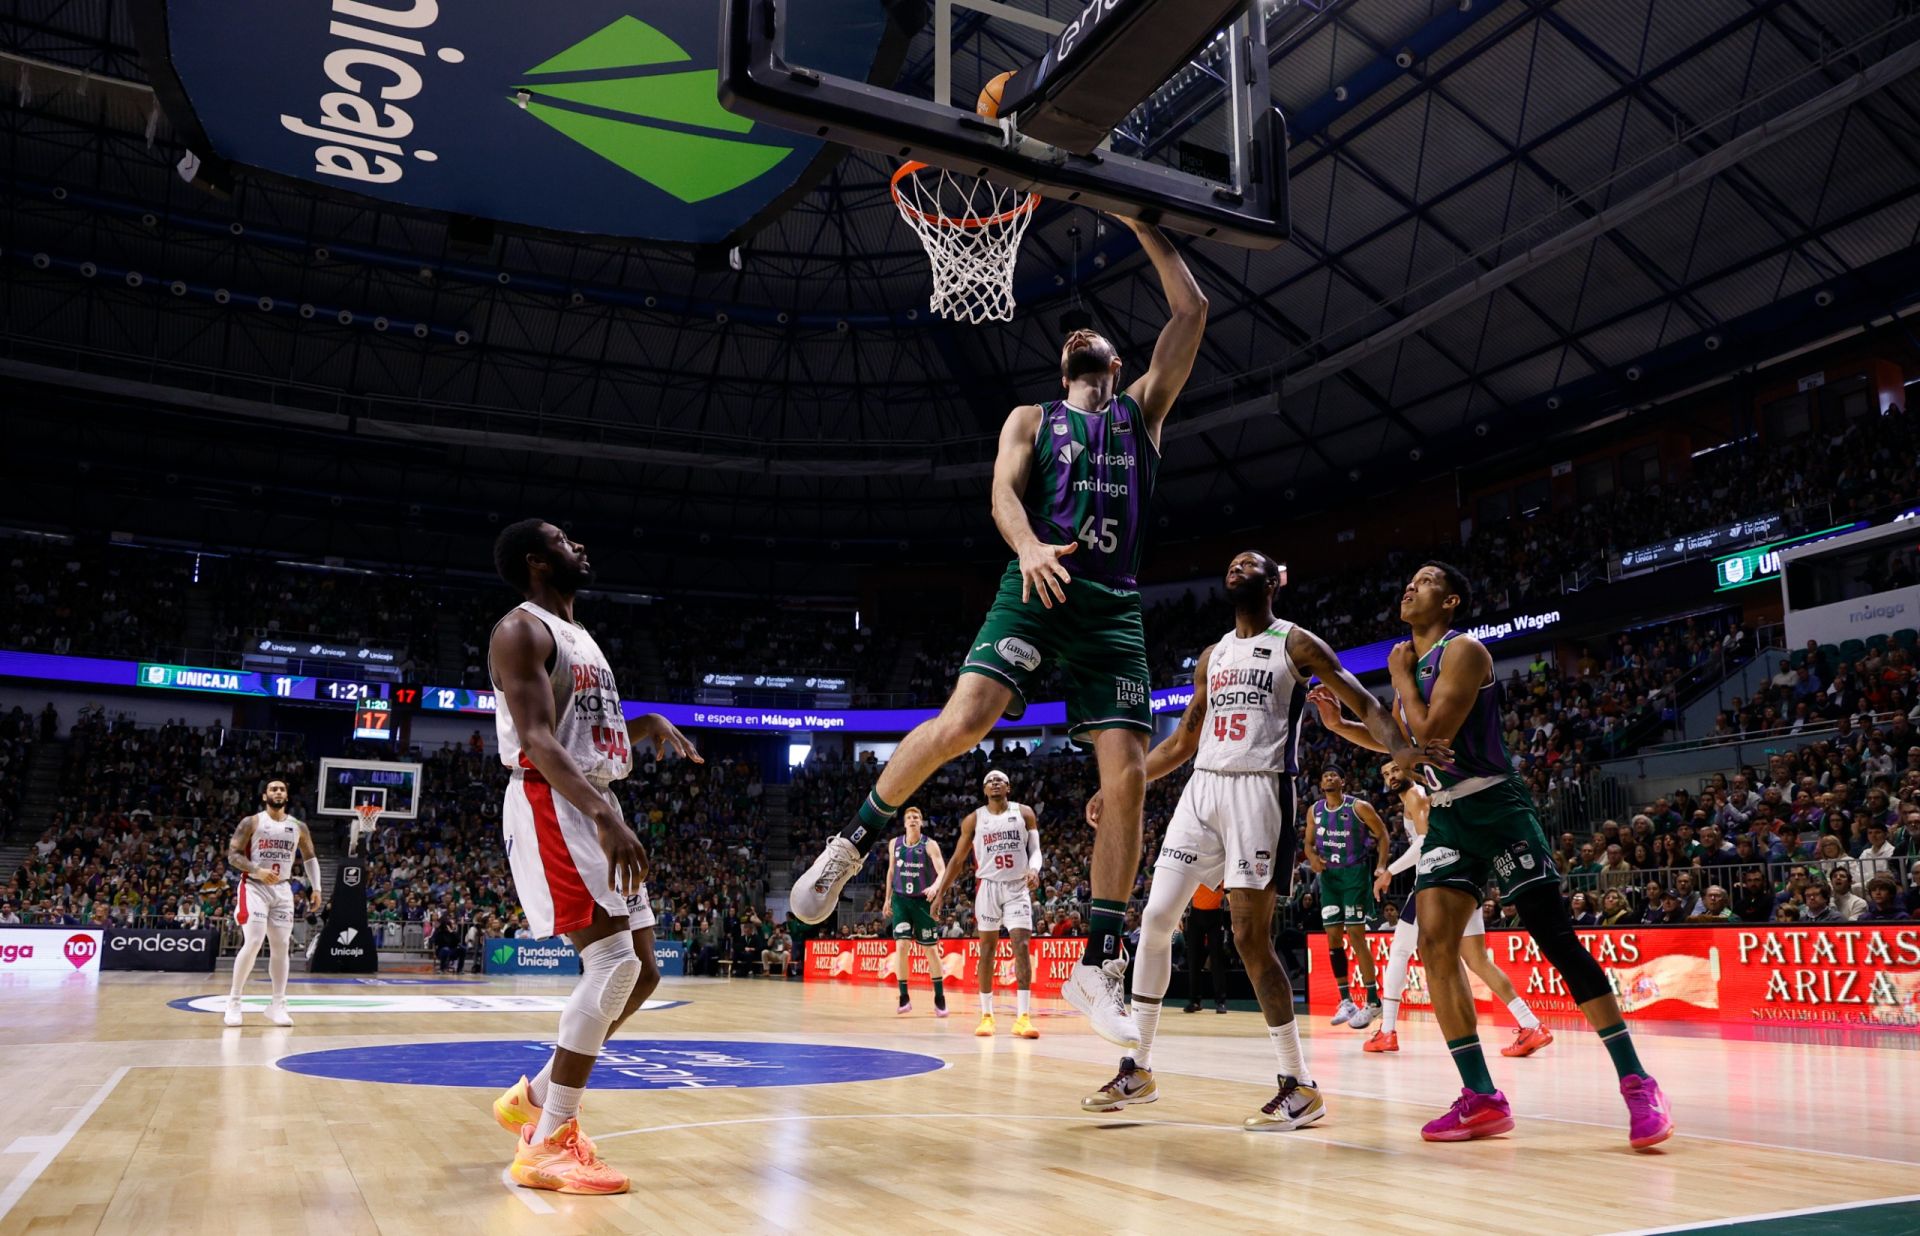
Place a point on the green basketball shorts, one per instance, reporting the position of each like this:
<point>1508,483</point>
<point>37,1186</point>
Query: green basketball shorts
<point>1491,836</point>
<point>1346,895</point>
<point>913,920</point>
<point>1097,641</point>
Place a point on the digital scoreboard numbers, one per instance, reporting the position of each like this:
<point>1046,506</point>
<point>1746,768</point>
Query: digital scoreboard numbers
<point>373,719</point>
<point>456,699</point>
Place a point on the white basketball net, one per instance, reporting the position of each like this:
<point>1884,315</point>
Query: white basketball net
<point>971,230</point>
<point>368,820</point>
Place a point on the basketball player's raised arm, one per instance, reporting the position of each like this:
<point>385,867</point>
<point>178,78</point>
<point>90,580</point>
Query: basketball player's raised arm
<point>518,652</point>
<point>1179,342</point>
<point>1179,746</point>
<point>1455,687</point>
<point>1040,569</point>
<point>238,851</point>
<point>1310,653</point>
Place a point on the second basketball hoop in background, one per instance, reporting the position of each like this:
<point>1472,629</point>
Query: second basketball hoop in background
<point>971,230</point>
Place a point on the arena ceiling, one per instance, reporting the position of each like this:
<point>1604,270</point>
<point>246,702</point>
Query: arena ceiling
<point>1556,209</point>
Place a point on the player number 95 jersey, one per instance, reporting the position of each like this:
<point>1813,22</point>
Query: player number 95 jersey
<point>1000,845</point>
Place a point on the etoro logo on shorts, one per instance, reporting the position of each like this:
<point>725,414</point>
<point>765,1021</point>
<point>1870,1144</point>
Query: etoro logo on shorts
<point>1016,651</point>
<point>1179,856</point>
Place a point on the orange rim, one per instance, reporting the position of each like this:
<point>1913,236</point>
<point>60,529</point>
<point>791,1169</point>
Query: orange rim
<point>907,169</point>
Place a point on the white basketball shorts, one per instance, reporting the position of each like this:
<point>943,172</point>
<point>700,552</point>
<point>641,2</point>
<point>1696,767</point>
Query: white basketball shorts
<point>559,870</point>
<point>639,910</point>
<point>271,904</point>
<point>1234,829</point>
<point>1002,904</point>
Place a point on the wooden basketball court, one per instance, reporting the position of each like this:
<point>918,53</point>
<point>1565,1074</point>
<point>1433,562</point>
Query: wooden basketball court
<point>131,1114</point>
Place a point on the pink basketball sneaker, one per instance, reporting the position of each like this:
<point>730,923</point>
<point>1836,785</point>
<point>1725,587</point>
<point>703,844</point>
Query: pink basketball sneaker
<point>1652,1122</point>
<point>1473,1115</point>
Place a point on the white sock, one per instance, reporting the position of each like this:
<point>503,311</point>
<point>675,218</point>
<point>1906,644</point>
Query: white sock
<point>986,1004</point>
<point>1389,1013</point>
<point>1146,1016</point>
<point>537,1088</point>
<point>1286,1048</point>
<point>1023,1001</point>
<point>562,1105</point>
<point>1521,1013</point>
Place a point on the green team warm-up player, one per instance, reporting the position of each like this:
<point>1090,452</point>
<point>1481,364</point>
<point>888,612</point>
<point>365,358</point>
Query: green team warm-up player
<point>1071,487</point>
<point>1337,849</point>
<point>914,867</point>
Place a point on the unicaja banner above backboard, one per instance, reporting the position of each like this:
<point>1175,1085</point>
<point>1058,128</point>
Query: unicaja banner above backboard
<point>594,116</point>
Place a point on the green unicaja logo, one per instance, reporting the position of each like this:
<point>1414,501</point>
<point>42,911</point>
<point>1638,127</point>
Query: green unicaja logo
<point>672,132</point>
<point>503,954</point>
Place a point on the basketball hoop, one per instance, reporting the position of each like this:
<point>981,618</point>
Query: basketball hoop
<point>369,813</point>
<point>971,230</point>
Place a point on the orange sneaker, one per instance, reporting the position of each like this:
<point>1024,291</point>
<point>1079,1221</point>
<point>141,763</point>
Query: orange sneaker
<point>565,1163</point>
<point>515,1109</point>
<point>1382,1040</point>
<point>1526,1042</point>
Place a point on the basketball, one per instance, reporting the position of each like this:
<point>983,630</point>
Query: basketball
<point>989,104</point>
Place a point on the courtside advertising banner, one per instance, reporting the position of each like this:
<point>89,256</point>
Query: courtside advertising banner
<point>153,948</point>
<point>49,950</point>
<point>871,961</point>
<point>553,956</point>
<point>1842,974</point>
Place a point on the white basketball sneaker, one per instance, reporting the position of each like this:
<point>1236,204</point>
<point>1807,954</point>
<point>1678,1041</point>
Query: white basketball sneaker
<point>277,1013</point>
<point>1100,992</point>
<point>1363,1017</point>
<point>232,1017</point>
<point>1344,1014</point>
<point>818,891</point>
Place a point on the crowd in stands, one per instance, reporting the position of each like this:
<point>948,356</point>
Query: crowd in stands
<point>257,599</point>
<point>17,733</point>
<point>1816,686</point>
<point>752,638</point>
<point>69,596</point>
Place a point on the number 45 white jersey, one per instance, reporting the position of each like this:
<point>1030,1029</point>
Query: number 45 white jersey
<point>1254,701</point>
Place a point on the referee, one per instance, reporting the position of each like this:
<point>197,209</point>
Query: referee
<point>1208,928</point>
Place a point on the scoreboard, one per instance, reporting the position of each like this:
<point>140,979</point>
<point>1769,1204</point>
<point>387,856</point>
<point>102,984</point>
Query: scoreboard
<point>348,692</point>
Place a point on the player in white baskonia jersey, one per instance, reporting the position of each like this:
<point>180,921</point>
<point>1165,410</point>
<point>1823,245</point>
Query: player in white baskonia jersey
<point>577,866</point>
<point>263,850</point>
<point>1234,825</point>
<point>1006,861</point>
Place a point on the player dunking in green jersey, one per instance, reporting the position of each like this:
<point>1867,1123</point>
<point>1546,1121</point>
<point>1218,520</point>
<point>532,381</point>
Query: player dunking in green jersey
<point>1071,486</point>
<point>1483,827</point>
<point>914,867</point>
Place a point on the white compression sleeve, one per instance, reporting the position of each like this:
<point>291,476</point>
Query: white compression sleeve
<point>1033,850</point>
<point>1409,857</point>
<point>313,877</point>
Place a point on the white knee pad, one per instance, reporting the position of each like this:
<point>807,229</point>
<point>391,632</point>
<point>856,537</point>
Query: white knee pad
<point>254,929</point>
<point>280,937</point>
<point>609,969</point>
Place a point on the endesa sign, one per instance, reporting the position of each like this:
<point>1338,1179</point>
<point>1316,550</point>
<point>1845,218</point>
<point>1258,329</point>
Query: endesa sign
<point>1845,974</point>
<point>148,948</point>
<point>56,950</point>
<point>871,961</point>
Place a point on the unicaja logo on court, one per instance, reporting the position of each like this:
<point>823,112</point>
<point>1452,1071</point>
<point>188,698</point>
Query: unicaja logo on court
<point>503,954</point>
<point>619,93</point>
